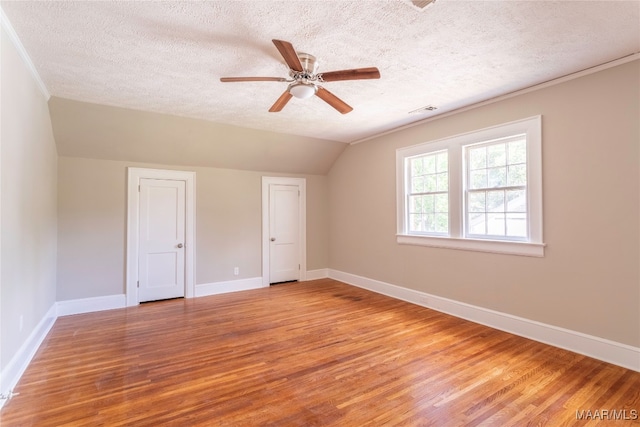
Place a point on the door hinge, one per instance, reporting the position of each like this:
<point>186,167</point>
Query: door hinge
<point>298,266</point>
<point>138,283</point>
<point>138,188</point>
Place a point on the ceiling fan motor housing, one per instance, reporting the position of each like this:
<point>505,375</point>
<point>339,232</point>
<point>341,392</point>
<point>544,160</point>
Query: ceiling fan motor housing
<point>309,63</point>
<point>304,85</point>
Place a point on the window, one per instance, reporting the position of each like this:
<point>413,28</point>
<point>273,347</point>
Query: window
<point>478,191</point>
<point>428,197</point>
<point>496,189</point>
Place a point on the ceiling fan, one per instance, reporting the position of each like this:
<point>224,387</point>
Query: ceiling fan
<point>304,79</point>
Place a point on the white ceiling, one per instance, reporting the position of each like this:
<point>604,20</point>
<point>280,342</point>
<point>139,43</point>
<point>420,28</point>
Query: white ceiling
<point>167,57</point>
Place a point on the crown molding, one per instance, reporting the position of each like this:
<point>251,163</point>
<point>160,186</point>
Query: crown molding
<point>13,36</point>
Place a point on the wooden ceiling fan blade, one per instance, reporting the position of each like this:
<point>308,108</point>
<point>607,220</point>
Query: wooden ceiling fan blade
<point>281,102</point>
<point>289,54</point>
<point>252,79</point>
<point>333,100</point>
<point>354,74</point>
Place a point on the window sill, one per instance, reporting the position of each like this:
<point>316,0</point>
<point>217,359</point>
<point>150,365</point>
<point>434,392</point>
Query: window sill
<point>492,246</point>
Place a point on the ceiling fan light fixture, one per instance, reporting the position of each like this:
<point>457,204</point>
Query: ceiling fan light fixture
<point>302,90</point>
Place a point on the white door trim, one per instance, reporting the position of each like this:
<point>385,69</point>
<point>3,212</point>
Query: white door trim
<point>302,186</point>
<point>134,175</point>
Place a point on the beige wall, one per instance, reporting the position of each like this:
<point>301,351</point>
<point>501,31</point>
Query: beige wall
<point>28,205</point>
<point>589,279</point>
<point>96,131</point>
<point>92,224</point>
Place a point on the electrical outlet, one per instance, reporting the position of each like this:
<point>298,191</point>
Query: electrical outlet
<point>236,271</point>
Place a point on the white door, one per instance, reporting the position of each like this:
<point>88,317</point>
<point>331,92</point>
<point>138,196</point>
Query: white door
<point>284,231</point>
<point>161,240</point>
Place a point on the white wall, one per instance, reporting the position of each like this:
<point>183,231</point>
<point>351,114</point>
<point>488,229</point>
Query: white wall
<point>28,207</point>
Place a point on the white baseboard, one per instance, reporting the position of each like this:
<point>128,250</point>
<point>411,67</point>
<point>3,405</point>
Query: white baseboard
<point>11,374</point>
<point>88,305</point>
<point>599,348</point>
<point>322,273</point>
<point>216,288</point>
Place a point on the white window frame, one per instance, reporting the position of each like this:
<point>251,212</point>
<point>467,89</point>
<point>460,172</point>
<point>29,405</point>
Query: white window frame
<point>456,238</point>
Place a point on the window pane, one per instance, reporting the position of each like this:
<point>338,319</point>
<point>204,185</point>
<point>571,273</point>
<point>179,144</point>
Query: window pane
<point>428,203</point>
<point>417,167</point>
<point>442,162</point>
<point>495,201</point>
<point>428,222</point>
<point>441,223</point>
<point>516,201</point>
<point>517,175</point>
<point>430,164</point>
<point>477,224</point>
<point>517,151</point>
<point>478,179</point>
<point>497,177</point>
<point>416,204</point>
<point>517,225</point>
<point>442,203</point>
<point>430,183</point>
<point>496,155</point>
<point>496,224</point>
<point>477,158</point>
<point>415,222</point>
<point>443,182</point>
<point>477,202</point>
<point>417,184</point>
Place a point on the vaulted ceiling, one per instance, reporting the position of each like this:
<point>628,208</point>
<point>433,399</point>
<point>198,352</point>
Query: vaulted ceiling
<point>168,57</point>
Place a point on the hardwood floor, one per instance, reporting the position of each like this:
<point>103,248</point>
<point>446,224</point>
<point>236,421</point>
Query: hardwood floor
<point>318,353</point>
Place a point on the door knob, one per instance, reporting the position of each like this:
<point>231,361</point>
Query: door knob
<point>273,239</point>
<point>179,245</point>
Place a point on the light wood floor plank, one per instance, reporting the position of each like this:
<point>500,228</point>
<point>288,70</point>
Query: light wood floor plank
<point>318,353</point>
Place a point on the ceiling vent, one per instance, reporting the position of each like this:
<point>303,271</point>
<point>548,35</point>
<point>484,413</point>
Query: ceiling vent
<point>421,4</point>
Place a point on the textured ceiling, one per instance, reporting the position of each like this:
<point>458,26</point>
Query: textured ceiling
<point>168,57</point>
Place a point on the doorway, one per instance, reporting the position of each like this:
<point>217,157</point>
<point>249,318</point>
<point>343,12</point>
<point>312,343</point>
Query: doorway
<point>283,230</point>
<point>160,235</point>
